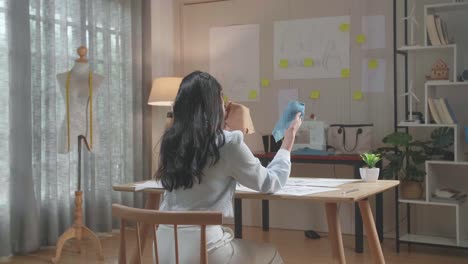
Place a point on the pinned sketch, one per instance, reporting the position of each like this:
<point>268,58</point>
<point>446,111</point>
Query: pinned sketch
<point>373,75</point>
<point>284,96</point>
<point>373,28</point>
<point>234,61</point>
<point>311,48</point>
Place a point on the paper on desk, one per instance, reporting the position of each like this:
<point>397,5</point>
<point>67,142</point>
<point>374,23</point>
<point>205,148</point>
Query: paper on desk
<point>292,190</point>
<point>319,182</point>
<point>148,185</point>
<point>303,190</point>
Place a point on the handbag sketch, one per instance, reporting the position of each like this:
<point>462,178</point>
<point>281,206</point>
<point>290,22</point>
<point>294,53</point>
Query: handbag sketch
<point>350,139</point>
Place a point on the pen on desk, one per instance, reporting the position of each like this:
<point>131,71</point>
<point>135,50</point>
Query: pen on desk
<point>349,191</point>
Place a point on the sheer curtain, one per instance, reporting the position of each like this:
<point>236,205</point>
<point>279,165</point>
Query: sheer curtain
<point>38,40</point>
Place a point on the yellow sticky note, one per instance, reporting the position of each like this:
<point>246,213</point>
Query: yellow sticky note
<point>253,94</point>
<point>225,98</point>
<point>315,94</point>
<point>308,62</point>
<point>373,64</point>
<point>344,27</point>
<point>357,95</point>
<point>345,73</point>
<point>265,82</point>
<point>361,39</point>
<point>284,63</point>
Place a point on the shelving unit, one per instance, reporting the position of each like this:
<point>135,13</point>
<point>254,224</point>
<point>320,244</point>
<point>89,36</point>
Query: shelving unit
<point>453,173</point>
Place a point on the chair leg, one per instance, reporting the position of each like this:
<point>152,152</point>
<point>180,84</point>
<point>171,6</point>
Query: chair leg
<point>152,202</point>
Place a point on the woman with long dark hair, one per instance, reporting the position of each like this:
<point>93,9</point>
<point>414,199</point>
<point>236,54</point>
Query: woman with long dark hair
<point>200,165</point>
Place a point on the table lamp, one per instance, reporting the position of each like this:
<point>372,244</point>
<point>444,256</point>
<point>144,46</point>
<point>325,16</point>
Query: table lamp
<point>163,93</point>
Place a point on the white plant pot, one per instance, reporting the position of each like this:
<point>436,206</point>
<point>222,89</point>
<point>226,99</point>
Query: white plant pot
<point>369,175</point>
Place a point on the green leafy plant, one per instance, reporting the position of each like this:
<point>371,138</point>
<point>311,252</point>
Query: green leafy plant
<point>406,157</point>
<point>371,159</point>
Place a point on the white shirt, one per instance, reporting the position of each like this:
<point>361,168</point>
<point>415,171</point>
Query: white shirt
<point>237,164</point>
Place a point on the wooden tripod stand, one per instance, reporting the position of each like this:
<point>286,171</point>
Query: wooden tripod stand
<point>78,230</point>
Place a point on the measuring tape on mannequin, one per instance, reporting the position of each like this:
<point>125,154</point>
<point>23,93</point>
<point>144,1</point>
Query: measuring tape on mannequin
<point>90,98</point>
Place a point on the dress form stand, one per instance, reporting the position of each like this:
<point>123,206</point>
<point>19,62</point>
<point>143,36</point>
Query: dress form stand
<point>78,230</point>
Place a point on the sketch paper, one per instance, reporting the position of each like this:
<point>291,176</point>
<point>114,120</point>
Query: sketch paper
<point>373,27</point>
<point>148,185</point>
<point>234,61</point>
<point>312,48</point>
<point>292,190</point>
<point>284,96</point>
<point>373,73</point>
<point>319,182</point>
<point>303,190</point>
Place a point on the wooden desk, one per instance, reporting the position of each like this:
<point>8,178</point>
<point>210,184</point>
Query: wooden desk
<point>330,199</point>
<point>352,160</point>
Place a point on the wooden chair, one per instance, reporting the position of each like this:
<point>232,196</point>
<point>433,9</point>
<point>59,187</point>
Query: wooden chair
<point>154,218</point>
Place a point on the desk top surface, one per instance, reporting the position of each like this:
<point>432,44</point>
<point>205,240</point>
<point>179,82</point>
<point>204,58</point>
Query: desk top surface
<point>361,190</point>
<point>271,155</point>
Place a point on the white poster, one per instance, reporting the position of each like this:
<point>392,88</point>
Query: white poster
<point>373,28</point>
<point>311,48</point>
<point>234,61</point>
<point>373,75</point>
<point>284,96</point>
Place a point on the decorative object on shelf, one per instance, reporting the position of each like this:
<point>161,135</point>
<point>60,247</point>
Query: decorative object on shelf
<point>440,71</point>
<point>411,95</point>
<point>407,157</point>
<point>370,173</point>
<point>466,134</point>
<point>464,76</point>
<point>448,195</point>
<point>411,18</point>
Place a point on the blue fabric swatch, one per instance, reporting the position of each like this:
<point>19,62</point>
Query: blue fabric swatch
<point>288,115</point>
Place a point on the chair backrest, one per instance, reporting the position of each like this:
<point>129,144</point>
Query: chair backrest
<point>153,218</point>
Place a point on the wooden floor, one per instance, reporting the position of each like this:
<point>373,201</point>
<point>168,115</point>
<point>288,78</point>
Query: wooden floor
<point>292,245</point>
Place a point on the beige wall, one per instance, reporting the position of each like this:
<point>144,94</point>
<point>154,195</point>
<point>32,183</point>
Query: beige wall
<point>180,32</point>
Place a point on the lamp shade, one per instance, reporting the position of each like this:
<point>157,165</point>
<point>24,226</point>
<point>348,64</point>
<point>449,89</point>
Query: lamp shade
<point>164,91</point>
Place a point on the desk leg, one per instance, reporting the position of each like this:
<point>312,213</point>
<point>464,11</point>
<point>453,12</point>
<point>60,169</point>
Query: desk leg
<point>152,202</point>
<point>237,218</point>
<point>379,210</point>
<point>358,233</point>
<point>266,215</point>
<point>371,231</point>
<point>334,233</point>
<point>379,215</point>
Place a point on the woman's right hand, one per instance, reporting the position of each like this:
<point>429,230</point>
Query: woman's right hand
<point>290,133</point>
<point>296,123</point>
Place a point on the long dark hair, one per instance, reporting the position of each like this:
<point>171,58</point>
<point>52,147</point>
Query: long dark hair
<point>196,135</point>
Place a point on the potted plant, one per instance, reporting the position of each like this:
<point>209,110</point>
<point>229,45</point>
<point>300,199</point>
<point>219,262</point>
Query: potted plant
<point>406,158</point>
<point>370,173</point>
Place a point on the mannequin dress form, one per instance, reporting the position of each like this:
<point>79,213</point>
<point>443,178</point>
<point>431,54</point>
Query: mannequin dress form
<point>77,122</point>
<point>79,104</point>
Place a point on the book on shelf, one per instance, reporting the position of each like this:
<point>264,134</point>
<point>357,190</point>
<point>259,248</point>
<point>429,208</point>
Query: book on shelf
<point>431,28</point>
<point>433,111</point>
<point>440,32</point>
<point>441,111</point>
<point>451,112</point>
<point>436,28</point>
<point>448,195</point>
